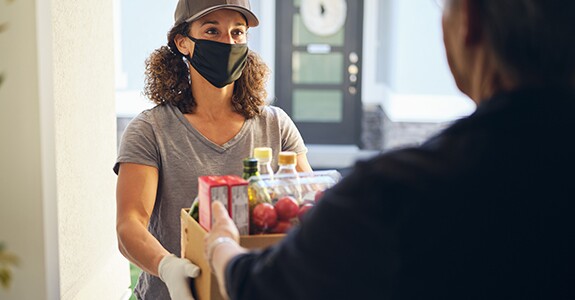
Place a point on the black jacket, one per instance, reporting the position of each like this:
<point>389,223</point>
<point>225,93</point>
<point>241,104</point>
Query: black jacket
<point>484,210</point>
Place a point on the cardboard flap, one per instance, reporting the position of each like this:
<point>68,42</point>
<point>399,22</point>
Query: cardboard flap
<point>193,235</point>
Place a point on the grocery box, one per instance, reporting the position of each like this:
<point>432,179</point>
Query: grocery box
<point>206,285</point>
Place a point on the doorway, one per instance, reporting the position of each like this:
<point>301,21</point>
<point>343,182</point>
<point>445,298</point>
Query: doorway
<point>318,68</point>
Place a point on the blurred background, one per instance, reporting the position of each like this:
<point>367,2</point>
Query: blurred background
<point>358,77</point>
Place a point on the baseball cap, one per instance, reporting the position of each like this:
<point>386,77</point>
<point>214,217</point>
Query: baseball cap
<point>191,10</point>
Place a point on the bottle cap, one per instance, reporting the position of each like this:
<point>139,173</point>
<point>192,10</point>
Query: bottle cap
<point>250,162</point>
<point>287,158</point>
<point>263,154</point>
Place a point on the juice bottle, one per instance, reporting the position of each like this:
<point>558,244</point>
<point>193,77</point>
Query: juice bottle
<point>287,173</point>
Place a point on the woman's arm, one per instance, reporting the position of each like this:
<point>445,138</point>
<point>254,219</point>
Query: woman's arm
<point>136,193</point>
<point>302,163</point>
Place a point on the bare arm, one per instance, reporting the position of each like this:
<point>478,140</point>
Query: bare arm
<point>302,163</point>
<point>135,195</point>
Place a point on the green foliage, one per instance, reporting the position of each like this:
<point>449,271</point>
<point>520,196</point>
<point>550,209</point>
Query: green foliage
<point>7,259</point>
<point>134,274</point>
<point>7,262</point>
<point>3,27</point>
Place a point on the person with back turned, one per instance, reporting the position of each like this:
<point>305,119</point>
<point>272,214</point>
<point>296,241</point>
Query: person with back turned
<point>483,210</point>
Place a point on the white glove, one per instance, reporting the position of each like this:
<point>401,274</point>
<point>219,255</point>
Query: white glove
<point>174,272</point>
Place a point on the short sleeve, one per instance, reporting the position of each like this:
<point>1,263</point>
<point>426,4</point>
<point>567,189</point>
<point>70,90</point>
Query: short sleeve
<point>138,144</point>
<point>290,135</point>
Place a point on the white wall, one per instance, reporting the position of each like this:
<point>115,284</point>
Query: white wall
<point>21,215</point>
<point>57,209</point>
<point>86,150</point>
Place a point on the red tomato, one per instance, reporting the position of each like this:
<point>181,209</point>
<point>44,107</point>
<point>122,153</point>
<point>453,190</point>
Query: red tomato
<point>303,210</point>
<point>318,196</point>
<point>287,208</point>
<point>264,216</point>
<point>282,227</point>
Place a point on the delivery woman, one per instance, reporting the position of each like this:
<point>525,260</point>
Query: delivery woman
<point>210,94</point>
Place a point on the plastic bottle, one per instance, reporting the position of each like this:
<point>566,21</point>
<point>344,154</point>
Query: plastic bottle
<point>287,173</point>
<point>264,157</point>
<point>287,161</point>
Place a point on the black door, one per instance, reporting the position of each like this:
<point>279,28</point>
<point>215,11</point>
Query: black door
<point>318,68</point>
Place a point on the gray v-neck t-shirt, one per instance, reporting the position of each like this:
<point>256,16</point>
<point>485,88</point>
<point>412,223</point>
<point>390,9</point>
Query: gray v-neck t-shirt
<point>163,138</point>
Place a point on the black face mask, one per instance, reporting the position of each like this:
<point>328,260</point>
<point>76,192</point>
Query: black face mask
<point>219,63</point>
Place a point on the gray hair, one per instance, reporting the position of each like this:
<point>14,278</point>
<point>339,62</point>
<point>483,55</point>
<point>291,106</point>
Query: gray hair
<point>534,40</point>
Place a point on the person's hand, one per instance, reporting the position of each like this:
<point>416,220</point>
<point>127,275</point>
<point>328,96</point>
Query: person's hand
<point>222,227</point>
<point>223,231</point>
<point>174,272</point>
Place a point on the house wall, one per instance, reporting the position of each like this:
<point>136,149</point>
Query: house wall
<point>58,147</point>
<point>21,193</point>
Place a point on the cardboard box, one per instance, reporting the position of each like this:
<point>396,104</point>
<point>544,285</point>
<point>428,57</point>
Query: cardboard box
<point>206,286</point>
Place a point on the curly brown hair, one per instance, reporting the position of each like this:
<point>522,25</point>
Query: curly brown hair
<point>168,79</point>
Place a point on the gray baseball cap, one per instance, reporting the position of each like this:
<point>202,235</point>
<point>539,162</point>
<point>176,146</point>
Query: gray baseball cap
<point>191,10</point>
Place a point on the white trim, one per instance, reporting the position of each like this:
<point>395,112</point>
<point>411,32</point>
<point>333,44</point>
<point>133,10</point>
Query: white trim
<point>48,147</point>
<point>426,108</point>
<point>372,91</point>
<point>336,156</point>
<point>268,43</point>
<point>121,77</point>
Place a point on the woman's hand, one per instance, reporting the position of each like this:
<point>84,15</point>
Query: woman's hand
<point>222,243</point>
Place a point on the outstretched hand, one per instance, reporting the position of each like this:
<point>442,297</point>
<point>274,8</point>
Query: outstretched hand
<point>222,226</point>
<point>223,232</point>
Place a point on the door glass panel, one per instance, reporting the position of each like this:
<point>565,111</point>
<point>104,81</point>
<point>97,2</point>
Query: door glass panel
<point>302,36</point>
<point>317,106</point>
<point>317,68</point>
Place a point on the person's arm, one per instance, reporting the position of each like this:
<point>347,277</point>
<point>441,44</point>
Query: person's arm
<point>222,243</point>
<point>330,255</point>
<point>136,194</point>
<point>302,163</point>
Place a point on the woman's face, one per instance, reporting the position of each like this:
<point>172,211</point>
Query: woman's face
<point>224,26</point>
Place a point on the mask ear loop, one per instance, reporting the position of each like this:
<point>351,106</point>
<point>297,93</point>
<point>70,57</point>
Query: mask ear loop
<point>191,38</point>
<point>188,57</point>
